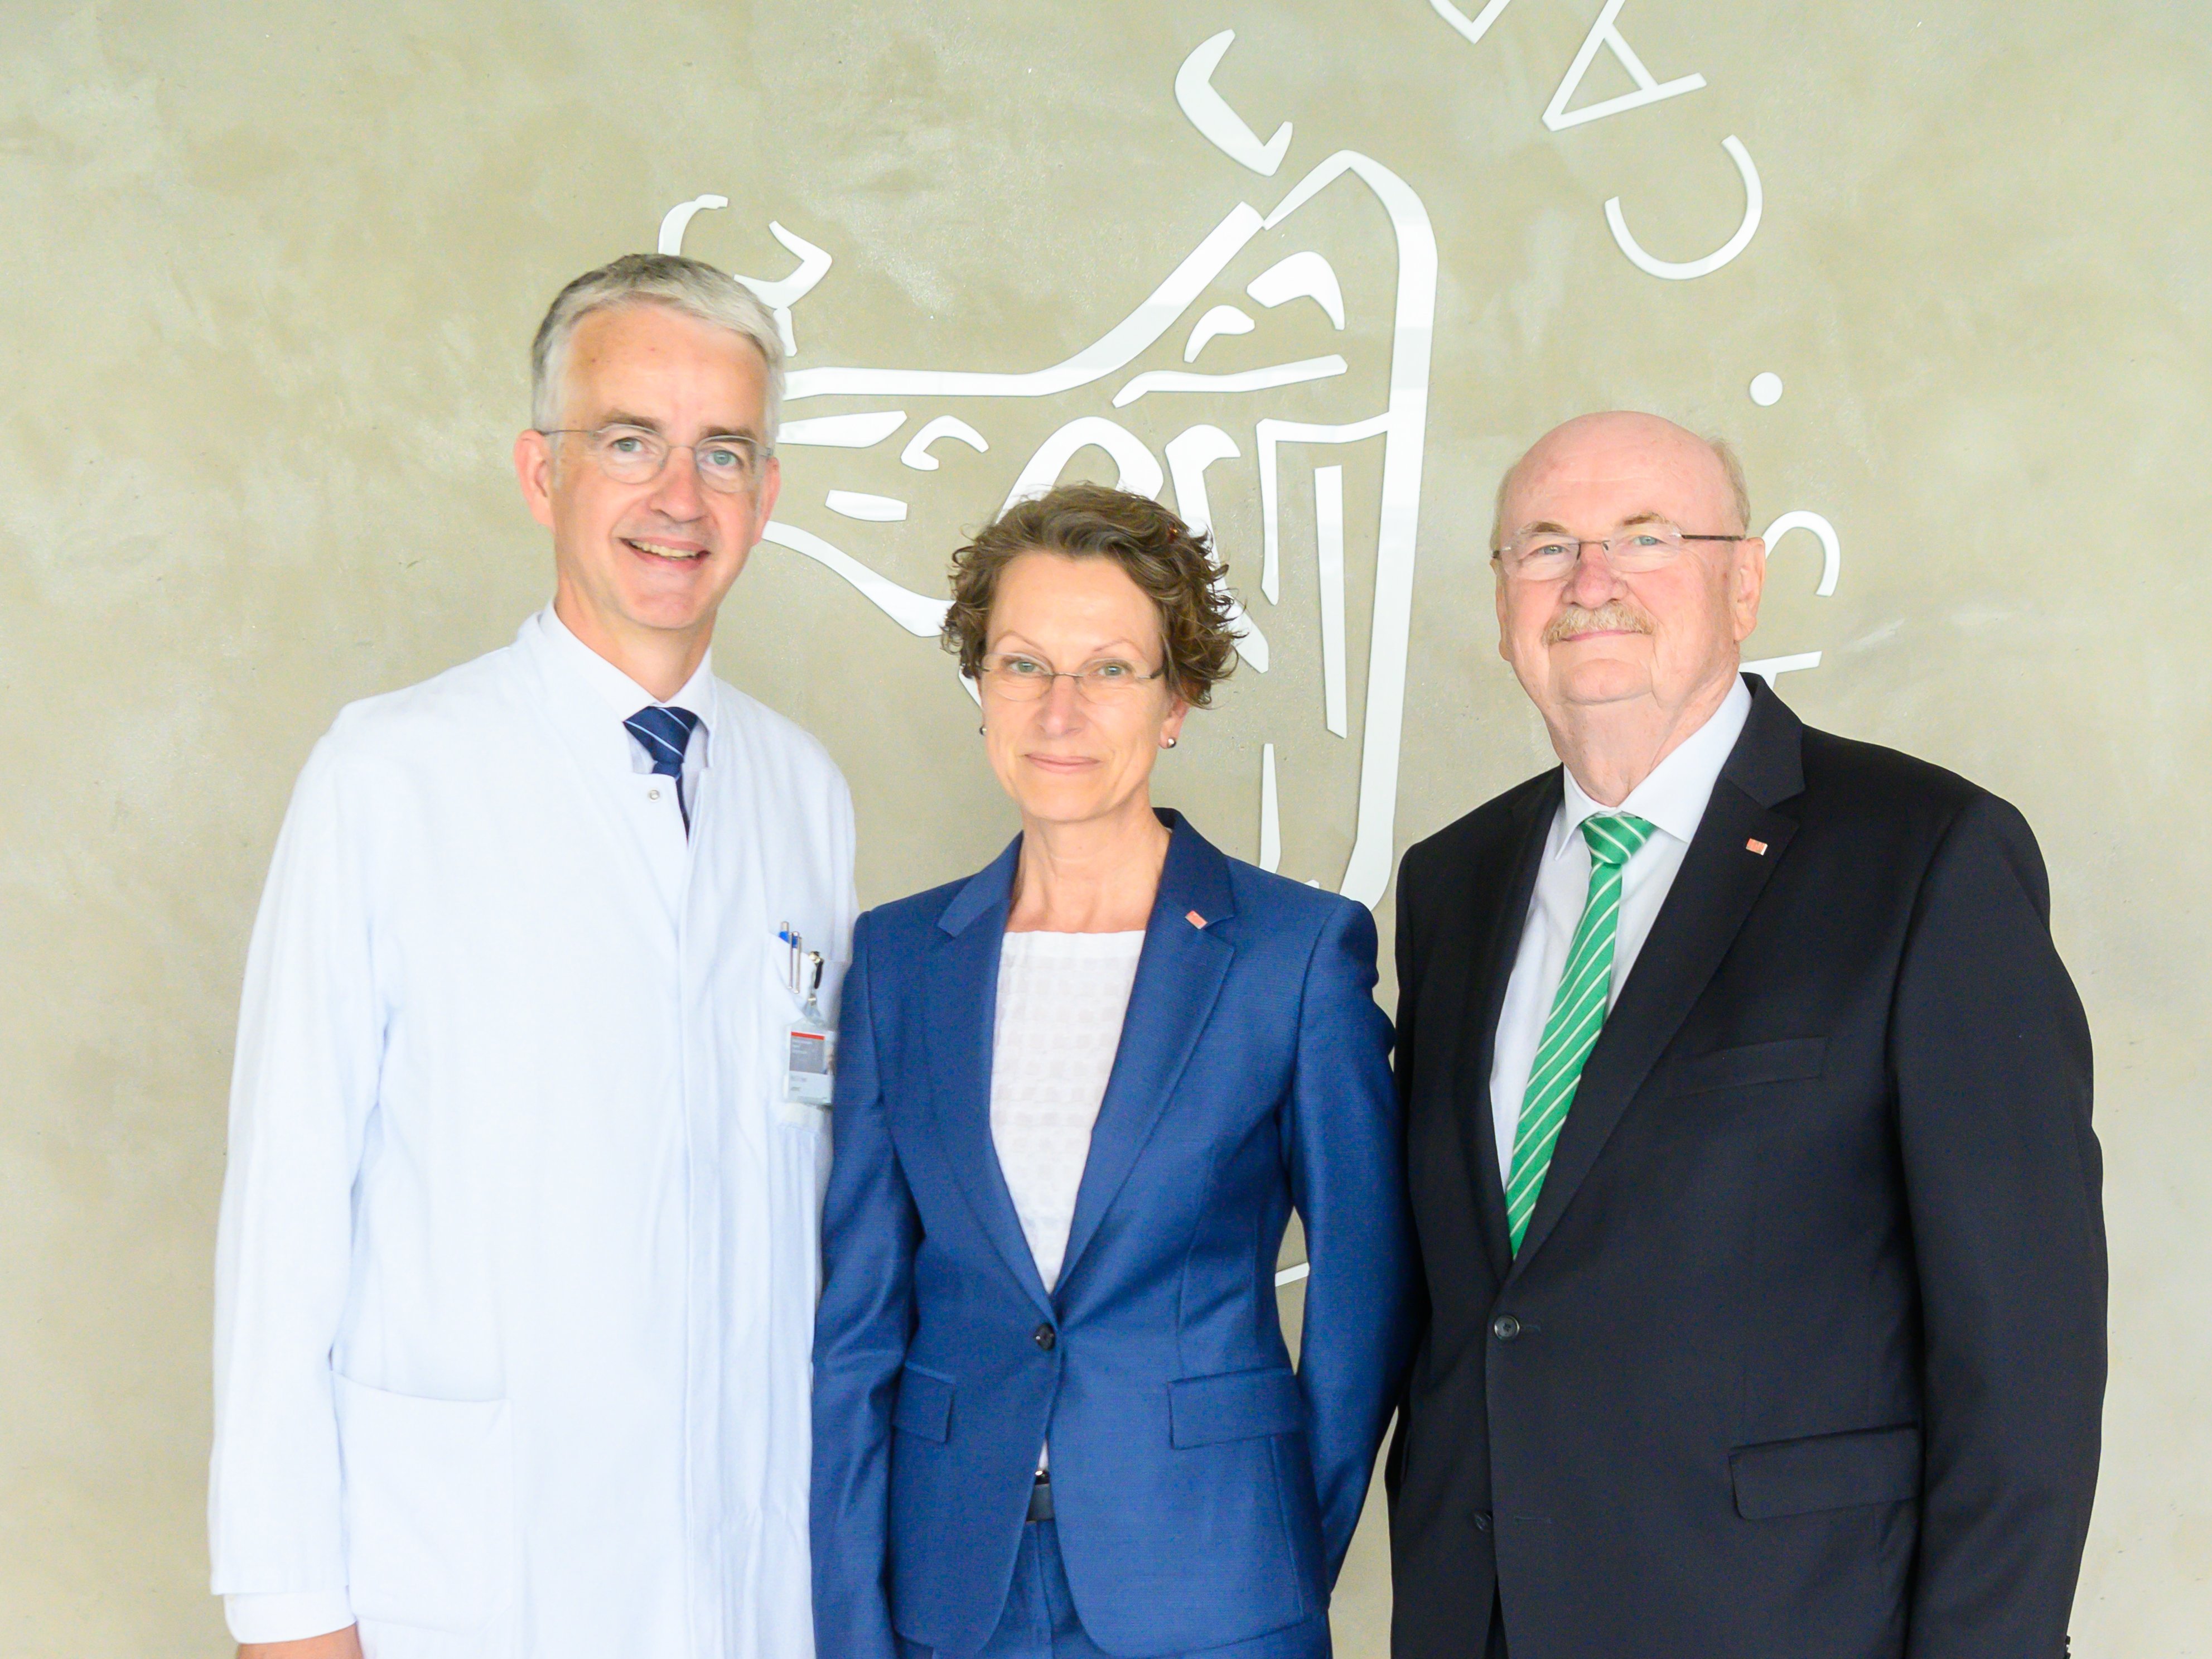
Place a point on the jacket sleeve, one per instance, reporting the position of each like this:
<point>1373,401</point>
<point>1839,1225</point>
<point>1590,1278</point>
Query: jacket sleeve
<point>310,1042</point>
<point>1991,1053</point>
<point>1348,1181</point>
<point>869,1229</point>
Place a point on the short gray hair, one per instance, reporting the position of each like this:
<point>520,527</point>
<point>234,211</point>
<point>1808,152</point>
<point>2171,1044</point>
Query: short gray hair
<point>685,286</point>
<point>1732,463</point>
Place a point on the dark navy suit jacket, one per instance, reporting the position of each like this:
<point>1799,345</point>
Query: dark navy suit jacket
<point>1802,1355</point>
<point>1205,1493</point>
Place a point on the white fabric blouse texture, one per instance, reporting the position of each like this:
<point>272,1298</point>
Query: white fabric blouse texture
<point>1061,999</point>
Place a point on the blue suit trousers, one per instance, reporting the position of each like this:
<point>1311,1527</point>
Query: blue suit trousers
<point>1040,1622</point>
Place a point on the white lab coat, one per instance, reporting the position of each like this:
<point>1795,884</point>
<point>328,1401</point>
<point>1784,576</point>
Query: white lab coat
<point>518,1261</point>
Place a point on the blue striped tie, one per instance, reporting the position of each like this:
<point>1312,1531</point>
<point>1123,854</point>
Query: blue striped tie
<point>666,733</point>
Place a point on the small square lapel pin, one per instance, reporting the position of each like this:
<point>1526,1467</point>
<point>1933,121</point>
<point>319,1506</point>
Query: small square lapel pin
<point>1193,918</point>
<point>1755,846</point>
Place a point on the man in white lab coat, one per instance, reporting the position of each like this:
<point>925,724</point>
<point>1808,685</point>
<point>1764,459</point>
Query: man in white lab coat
<point>518,1257</point>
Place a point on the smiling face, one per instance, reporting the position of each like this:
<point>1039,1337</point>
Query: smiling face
<point>643,566</point>
<point>1064,757</point>
<point>1665,638</point>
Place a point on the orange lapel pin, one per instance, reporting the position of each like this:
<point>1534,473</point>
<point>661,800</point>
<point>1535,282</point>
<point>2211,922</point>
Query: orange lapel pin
<point>1757,847</point>
<point>1193,918</point>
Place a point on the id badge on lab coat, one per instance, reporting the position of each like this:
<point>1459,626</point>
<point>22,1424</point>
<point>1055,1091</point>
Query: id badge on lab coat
<point>810,1062</point>
<point>810,1042</point>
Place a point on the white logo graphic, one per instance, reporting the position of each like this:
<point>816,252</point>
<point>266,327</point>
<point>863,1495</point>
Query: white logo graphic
<point>1202,295</point>
<point>1299,274</point>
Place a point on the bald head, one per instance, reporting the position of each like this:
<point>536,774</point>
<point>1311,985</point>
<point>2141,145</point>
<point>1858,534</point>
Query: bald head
<point>1620,440</point>
<point>1630,585</point>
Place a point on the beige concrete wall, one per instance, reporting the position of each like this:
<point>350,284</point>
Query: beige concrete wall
<point>267,272</point>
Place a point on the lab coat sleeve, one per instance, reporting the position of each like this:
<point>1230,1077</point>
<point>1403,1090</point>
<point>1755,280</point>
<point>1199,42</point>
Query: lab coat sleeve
<point>1348,1181</point>
<point>870,1231</point>
<point>309,1043</point>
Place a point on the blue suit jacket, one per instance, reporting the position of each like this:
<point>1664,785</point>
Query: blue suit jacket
<point>1205,1493</point>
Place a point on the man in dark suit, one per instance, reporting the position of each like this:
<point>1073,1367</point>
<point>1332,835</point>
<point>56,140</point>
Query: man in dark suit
<point>1748,1119</point>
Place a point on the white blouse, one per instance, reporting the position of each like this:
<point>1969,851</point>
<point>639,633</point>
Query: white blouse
<point>1061,999</point>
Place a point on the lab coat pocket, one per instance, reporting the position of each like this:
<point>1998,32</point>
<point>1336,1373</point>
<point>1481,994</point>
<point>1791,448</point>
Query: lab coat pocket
<point>430,1508</point>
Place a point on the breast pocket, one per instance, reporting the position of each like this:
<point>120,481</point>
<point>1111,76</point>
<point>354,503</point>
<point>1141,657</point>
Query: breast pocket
<point>1786,1061</point>
<point>429,1506</point>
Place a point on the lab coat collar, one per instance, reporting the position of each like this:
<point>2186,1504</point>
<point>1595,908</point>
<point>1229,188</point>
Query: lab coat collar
<point>578,718</point>
<point>622,696</point>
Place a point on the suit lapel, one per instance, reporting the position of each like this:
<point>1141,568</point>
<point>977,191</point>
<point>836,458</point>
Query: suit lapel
<point>1494,940</point>
<point>963,1000</point>
<point>1720,879</point>
<point>1179,976</point>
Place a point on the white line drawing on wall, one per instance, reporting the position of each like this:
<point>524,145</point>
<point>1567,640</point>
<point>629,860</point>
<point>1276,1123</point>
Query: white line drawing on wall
<point>1754,204</point>
<point>778,297</point>
<point>873,509</point>
<point>1252,380</point>
<point>1222,319</point>
<point>1303,275</point>
<point>1401,425</point>
<point>916,453</point>
<point>1832,545</point>
<point>1473,28</point>
<point>1211,114</point>
<point>1767,388</point>
<point>1606,33</point>
<point>919,614</point>
<point>1832,568</point>
<point>843,431</point>
<point>1767,667</point>
<point>1189,453</point>
<point>1328,521</point>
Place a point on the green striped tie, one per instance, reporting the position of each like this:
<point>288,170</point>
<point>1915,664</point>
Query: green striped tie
<point>1577,1015</point>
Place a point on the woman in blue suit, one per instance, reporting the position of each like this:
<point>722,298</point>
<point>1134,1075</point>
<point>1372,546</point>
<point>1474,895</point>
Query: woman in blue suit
<point>1078,1096</point>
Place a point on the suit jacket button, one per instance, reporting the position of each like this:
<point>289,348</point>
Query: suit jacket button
<point>1505,1328</point>
<point>1482,1520</point>
<point>1045,1336</point>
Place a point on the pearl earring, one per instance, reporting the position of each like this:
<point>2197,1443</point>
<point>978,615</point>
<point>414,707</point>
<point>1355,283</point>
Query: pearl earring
<point>1170,742</point>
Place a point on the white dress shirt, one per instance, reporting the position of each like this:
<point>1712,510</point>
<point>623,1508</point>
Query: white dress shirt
<point>1672,799</point>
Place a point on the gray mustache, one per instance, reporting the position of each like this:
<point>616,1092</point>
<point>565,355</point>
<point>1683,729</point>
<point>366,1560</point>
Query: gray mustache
<point>1615,615</point>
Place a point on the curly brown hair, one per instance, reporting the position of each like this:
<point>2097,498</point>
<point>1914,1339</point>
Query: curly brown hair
<point>1173,564</point>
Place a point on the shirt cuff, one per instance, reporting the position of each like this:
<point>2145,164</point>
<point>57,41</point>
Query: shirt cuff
<point>287,1618</point>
